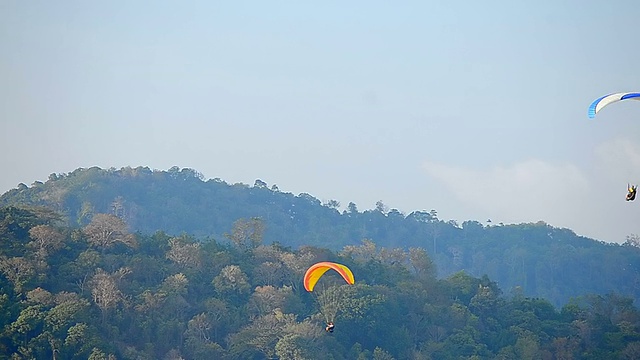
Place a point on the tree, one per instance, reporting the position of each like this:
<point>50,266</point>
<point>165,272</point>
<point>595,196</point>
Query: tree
<point>15,223</point>
<point>46,239</point>
<point>173,354</point>
<point>332,204</point>
<point>198,328</point>
<point>78,339</point>
<point>268,273</point>
<point>231,280</point>
<point>266,299</point>
<point>219,315</point>
<point>27,324</point>
<point>247,234</point>
<point>118,207</point>
<point>97,354</point>
<point>421,264</point>
<point>295,266</point>
<point>106,230</point>
<point>631,351</point>
<point>175,284</point>
<point>69,307</point>
<point>48,319</point>
<point>380,354</point>
<point>362,253</point>
<point>527,347</point>
<point>105,291</point>
<point>18,270</point>
<point>564,348</point>
<point>381,207</point>
<point>292,346</point>
<point>186,254</point>
<point>421,216</point>
<point>85,212</point>
<point>262,334</point>
<point>260,184</point>
<point>352,208</point>
<point>632,240</point>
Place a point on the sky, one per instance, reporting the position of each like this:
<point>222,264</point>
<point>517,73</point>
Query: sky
<point>475,109</point>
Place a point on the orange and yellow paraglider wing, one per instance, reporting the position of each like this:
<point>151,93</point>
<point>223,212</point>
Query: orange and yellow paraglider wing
<point>315,272</point>
<point>347,275</point>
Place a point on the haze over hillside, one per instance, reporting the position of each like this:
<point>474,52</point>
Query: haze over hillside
<point>99,292</point>
<point>541,260</point>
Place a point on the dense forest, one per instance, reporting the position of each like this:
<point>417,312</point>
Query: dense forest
<point>98,291</point>
<point>537,259</point>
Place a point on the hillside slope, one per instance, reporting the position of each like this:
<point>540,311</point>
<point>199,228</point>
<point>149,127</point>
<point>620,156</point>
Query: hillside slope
<point>537,259</point>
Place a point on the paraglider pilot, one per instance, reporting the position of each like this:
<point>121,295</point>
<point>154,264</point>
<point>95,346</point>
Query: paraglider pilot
<point>329,327</point>
<point>632,192</point>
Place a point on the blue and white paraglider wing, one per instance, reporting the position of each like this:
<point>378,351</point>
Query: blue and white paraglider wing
<point>602,102</point>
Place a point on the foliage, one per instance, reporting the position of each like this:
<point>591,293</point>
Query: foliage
<point>64,295</point>
<point>535,259</point>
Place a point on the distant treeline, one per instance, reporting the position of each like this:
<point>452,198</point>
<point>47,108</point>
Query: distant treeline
<point>535,258</point>
<point>98,291</point>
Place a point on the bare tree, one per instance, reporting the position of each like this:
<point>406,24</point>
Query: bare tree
<point>118,207</point>
<point>184,254</point>
<point>105,230</point>
<point>105,291</point>
<point>199,327</point>
<point>46,239</point>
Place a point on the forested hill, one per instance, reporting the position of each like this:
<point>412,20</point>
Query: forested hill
<point>101,293</point>
<point>536,258</point>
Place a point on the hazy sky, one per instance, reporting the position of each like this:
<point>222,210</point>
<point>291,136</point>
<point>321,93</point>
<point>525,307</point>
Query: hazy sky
<point>477,109</point>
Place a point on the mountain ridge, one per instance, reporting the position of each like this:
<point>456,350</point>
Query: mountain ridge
<point>537,258</point>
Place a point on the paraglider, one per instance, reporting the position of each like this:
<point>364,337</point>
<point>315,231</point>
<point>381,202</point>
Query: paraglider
<point>609,99</point>
<point>329,327</point>
<point>605,101</point>
<point>330,298</point>
<point>631,194</point>
<point>315,272</point>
